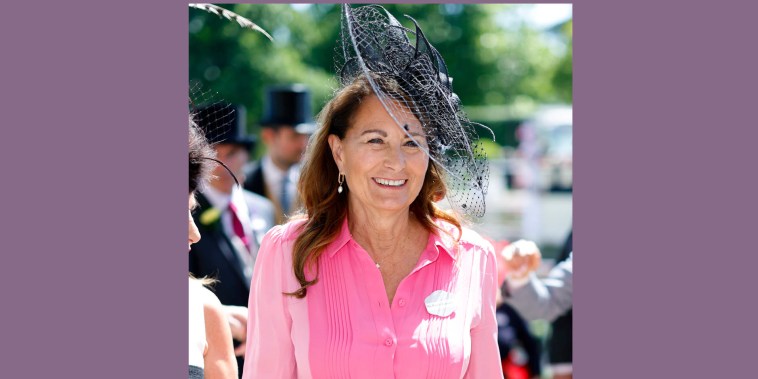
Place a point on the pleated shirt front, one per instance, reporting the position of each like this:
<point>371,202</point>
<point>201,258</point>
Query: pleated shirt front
<point>345,327</point>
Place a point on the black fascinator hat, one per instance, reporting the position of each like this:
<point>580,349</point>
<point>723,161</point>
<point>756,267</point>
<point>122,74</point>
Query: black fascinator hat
<point>374,44</point>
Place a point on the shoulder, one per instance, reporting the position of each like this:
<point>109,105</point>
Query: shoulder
<point>202,293</point>
<point>469,239</point>
<point>196,288</point>
<point>273,267</point>
<point>286,232</point>
<point>278,244</point>
<point>475,240</point>
<point>199,293</point>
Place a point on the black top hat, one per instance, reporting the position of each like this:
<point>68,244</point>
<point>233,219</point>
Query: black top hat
<point>289,105</point>
<point>224,123</point>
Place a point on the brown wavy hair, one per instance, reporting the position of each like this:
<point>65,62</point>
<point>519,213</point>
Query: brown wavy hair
<point>325,209</point>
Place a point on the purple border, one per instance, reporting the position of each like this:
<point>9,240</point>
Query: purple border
<point>94,99</point>
<point>660,111</point>
<point>98,289</point>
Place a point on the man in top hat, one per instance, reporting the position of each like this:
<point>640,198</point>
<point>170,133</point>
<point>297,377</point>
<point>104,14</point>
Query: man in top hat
<point>286,125</point>
<point>231,220</point>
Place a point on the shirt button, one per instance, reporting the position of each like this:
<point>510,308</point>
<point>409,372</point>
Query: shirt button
<point>401,302</point>
<point>388,342</point>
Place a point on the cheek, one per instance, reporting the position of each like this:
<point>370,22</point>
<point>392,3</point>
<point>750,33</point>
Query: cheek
<point>236,161</point>
<point>241,158</point>
<point>419,163</point>
<point>298,143</point>
<point>361,160</point>
<point>302,140</point>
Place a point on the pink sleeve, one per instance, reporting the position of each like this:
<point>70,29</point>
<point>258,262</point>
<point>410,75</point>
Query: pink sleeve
<point>485,354</point>
<point>269,351</point>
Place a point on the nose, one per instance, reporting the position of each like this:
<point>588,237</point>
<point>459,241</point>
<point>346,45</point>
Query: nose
<point>194,234</point>
<point>395,158</point>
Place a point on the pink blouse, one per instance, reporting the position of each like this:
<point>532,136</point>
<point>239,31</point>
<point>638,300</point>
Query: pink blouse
<point>345,328</point>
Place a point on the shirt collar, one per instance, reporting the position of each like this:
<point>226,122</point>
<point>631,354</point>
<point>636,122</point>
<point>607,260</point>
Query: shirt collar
<point>444,242</point>
<point>342,239</point>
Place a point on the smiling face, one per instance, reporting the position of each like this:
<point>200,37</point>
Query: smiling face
<point>384,168</point>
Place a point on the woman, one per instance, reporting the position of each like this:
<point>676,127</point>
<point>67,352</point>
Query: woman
<point>374,280</point>
<point>210,341</point>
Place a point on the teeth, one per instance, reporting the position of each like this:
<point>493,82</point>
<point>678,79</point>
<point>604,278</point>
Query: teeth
<point>394,183</point>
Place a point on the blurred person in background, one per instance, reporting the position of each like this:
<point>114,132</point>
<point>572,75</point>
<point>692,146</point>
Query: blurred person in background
<point>520,353</point>
<point>550,298</point>
<point>230,219</point>
<point>210,341</point>
<point>520,350</point>
<point>533,297</point>
<point>560,342</point>
<point>285,127</point>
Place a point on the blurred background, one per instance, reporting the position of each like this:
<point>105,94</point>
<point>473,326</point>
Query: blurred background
<point>512,68</point>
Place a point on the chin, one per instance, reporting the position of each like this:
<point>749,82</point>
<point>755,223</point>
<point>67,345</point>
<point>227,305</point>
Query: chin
<point>393,206</point>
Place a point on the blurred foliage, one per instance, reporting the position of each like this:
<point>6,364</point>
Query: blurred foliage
<point>499,72</point>
<point>563,73</point>
<point>491,148</point>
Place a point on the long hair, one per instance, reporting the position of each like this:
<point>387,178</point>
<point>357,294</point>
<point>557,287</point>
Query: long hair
<point>325,209</point>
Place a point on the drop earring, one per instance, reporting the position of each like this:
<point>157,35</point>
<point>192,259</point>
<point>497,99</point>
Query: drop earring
<point>340,180</point>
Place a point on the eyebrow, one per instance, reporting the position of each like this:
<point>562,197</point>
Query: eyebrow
<point>384,134</point>
<point>377,131</point>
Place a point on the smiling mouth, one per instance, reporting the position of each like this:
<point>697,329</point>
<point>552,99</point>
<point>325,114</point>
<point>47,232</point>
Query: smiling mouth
<point>390,183</point>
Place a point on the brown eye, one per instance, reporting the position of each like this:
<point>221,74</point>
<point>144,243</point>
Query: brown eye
<point>411,143</point>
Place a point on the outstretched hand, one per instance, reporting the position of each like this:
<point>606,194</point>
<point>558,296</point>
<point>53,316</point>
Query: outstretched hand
<point>520,259</point>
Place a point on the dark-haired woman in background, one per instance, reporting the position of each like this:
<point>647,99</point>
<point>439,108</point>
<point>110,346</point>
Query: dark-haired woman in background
<point>211,352</point>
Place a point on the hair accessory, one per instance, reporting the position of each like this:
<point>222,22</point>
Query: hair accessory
<point>413,76</point>
<point>224,123</point>
<point>214,118</point>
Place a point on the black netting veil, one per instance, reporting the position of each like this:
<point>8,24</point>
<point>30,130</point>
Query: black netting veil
<point>412,76</point>
<point>213,117</point>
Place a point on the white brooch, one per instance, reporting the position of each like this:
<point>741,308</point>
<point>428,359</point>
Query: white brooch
<point>440,303</point>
